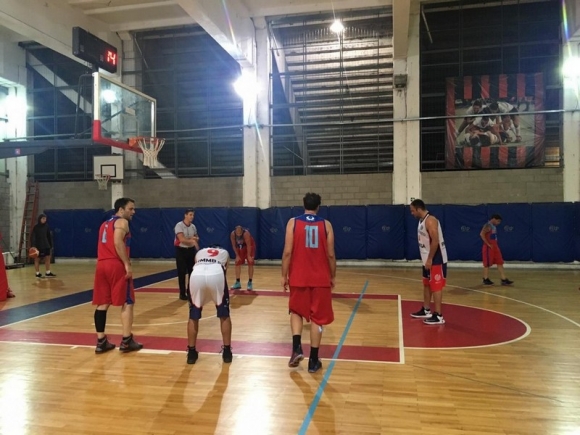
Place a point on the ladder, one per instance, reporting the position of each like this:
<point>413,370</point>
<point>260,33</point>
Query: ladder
<point>28,220</point>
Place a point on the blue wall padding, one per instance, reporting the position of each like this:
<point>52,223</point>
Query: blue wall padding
<point>147,237</point>
<point>547,232</point>
<point>350,227</point>
<point>272,231</point>
<point>411,224</point>
<point>463,225</point>
<point>553,232</point>
<point>169,217</point>
<point>247,217</point>
<point>386,231</point>
<point>213,227</point>
<point>577,231</point>
<point>514,234</point>
<point>86,232</point>
<point>61,223</point>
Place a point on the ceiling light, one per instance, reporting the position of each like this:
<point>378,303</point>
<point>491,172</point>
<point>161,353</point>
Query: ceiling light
<point>337,27</point>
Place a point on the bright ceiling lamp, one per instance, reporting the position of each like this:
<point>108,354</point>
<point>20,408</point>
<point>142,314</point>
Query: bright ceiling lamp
<point>571,68</point>
<point>246,86</point>
<point>337,27</point>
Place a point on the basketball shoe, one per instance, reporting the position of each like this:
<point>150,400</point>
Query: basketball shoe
<point>237,286</point>
<point>422,313</point>
<point>192,355</point>
<point>435,319</point>
<point>487,281</point>
<point>104,345</point>
<point>296,357</point>
<point>250,287</point>
<point>506,282</point>
<point>227,354</point>
<point>314,366</point>
<point>130,345</point>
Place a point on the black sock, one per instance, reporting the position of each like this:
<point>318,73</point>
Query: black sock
<point>296,342</point>
<point>313,354</point>
<point>250,280</point>
<point>100,320</point>
<point>128,338</point>
<point>190,347</point>
<point>228,347</point>
<point>237,279</point>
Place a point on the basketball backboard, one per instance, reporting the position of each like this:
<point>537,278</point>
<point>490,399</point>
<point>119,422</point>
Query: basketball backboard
<point>112,165</point>
<point>121,112</point>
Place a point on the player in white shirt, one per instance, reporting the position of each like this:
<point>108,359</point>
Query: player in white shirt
<point>434,258</point>
<point>207,284</point>
<point>500,108</point>
<point>476,107</point>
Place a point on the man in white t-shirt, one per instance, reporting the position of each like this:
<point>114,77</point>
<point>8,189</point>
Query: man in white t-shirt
<point>186,244</point>
<point>208,285</point>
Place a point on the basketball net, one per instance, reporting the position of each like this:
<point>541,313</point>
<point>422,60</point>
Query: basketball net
<point>150,147</point>
<point>103,180</point>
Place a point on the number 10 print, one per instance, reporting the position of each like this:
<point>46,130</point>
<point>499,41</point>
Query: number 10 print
<point>311,236</point>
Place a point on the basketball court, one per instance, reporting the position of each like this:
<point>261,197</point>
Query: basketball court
<point>504,362</point>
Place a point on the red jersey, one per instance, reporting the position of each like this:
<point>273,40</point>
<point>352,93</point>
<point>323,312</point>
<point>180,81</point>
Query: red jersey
<point>106,249</point>
<point>309,262</point>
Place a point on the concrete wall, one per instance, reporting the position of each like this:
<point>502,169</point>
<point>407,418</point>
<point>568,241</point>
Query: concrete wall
<point>494,186</point>
<point>190,192</point>
<point>352,189</point>
<point>466,187</point>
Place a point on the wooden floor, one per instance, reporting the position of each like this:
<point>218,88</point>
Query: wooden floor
<point>510,364</point>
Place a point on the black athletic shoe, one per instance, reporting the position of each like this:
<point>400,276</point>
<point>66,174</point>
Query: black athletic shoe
<point>487,281</point>
<point>130,345</point>
<point>314,366</point>
<point>183,297</point>
<point>192,355</point>
<point>104,346</point>
<point>435,319</point>
<point>38,275</point>
<point>422,313</point>
<point>506,282</point>
<point>50,275</point>
<point>227,354</point>
<point>296,357</point>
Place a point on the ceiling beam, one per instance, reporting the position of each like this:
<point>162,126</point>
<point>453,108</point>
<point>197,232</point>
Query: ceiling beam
<point>401,11</point>
<point>129,8</point>
<point>292,8</point>
<point>127,26</point>
<point>229,23</point>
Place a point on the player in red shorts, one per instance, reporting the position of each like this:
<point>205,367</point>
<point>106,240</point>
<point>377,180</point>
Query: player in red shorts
<point>245,249</point>
<point>114,277</point>
<point>490,252</point>
<point>309,268</point>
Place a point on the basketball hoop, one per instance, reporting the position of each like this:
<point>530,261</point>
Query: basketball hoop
<point>103,180</point>
<point>150,147</point>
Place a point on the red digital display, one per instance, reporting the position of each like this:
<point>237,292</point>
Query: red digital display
<point>111,57</point>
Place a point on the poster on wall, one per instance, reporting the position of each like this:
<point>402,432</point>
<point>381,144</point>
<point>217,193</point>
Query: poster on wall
<point>495,124</point>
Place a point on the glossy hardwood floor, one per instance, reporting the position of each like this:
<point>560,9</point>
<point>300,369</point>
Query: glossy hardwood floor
<point>51,381</point>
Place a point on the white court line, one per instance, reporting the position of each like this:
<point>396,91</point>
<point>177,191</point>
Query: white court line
<point>401,339</point>
<point>478,291</point>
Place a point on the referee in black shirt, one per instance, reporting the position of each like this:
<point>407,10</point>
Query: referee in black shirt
<point>186,246</point>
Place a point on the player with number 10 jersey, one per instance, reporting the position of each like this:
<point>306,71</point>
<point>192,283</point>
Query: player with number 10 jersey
<point>309,266</point>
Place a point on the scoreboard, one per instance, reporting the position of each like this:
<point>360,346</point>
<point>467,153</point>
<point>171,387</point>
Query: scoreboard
<point>88,47</point>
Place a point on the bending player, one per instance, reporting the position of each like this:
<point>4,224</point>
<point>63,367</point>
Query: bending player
<point>208,284</point>
<point>245,249</point>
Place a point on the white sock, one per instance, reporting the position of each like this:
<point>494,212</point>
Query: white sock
<point>48,271</point>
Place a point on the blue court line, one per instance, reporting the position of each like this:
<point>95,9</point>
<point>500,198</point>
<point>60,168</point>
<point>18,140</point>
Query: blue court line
<point>327,373</point>
<point>36,309</point>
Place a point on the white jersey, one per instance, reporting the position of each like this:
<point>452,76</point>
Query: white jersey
<point>207,283</point>
<point>212,255</point>
<point>440,256</point>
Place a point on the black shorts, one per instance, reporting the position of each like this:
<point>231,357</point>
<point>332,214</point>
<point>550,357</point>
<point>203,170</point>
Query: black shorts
<point>44,252</point>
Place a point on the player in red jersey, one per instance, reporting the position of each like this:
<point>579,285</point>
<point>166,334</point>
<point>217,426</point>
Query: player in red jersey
<point>490,252</point>
<point>245,249</point>
<point>309,269</point>
<point>114,277</point>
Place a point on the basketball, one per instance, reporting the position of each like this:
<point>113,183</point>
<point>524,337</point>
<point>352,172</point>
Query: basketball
<point>33,253</point>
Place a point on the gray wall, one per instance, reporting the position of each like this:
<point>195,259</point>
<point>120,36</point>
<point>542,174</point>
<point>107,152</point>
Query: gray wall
<point>352,189</point>
<point>466,187</point>
<point>493,186</point>
<point>190,192</point>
